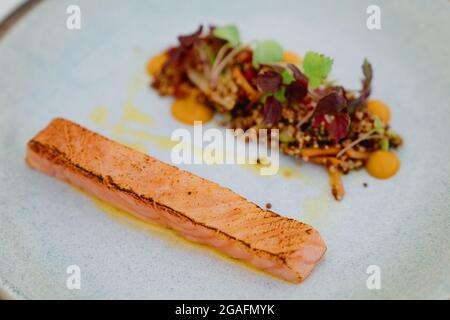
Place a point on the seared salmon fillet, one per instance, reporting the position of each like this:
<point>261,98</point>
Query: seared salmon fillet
<point>198,209</point>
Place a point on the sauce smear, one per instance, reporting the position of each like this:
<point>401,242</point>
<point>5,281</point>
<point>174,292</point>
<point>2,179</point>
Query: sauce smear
<point>382,164</point>
<point>380,109</point>
<point>156,63</point>
<point>189,109</point>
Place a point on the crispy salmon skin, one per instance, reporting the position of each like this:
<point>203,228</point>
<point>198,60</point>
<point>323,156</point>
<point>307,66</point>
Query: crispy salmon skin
<point>198,209</point>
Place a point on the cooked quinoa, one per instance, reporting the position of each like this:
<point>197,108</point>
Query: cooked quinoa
<point>318,121</point>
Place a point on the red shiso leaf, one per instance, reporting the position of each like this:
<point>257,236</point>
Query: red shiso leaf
<point>190,39</point>
<point>336,125</point>
<point>332,103</point>
<point>338,129</point>
<point>269,81</point>
<point>272,110</point>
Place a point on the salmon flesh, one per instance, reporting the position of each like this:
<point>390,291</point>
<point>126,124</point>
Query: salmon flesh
<point>196,208</point>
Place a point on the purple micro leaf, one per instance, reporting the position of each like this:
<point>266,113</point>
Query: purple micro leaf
<point>365,91</point>
<point>272,110</point>
<point>190,39</point>
<point>332,103</point>
<point>298,75</point>
<point>337,125</point>
<point>296,91</point>
<point>338,128</point>
<point>269,81</point>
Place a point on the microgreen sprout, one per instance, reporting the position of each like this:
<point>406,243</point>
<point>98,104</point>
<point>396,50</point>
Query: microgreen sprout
<point>229,33</point>
<point>377,132</point>
<point>267,52</point>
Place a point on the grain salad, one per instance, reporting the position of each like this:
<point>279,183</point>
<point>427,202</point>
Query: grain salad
<point>260,85</point>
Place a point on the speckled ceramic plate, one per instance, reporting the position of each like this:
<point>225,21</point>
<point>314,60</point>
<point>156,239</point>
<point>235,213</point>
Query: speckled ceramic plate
<point>95,76</point>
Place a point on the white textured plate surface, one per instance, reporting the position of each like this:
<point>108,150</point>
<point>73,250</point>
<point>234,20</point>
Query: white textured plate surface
<point>401,225</point>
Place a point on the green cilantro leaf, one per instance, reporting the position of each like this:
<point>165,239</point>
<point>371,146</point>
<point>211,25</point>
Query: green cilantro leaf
<point>267,51</point>
<point>316,67</point>
<point>229,33</point>
<point>287,76</point>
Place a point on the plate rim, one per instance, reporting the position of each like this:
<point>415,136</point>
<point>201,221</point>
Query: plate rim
<point>16,15</point>
<point>8,289</point>
<point>7,292</point>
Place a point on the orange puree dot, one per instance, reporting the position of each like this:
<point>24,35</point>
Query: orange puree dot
<point>189,109</point>
<point>380,109</point>
<point>156,63</point>
<point>382,164</point>
<point>291,57</point>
